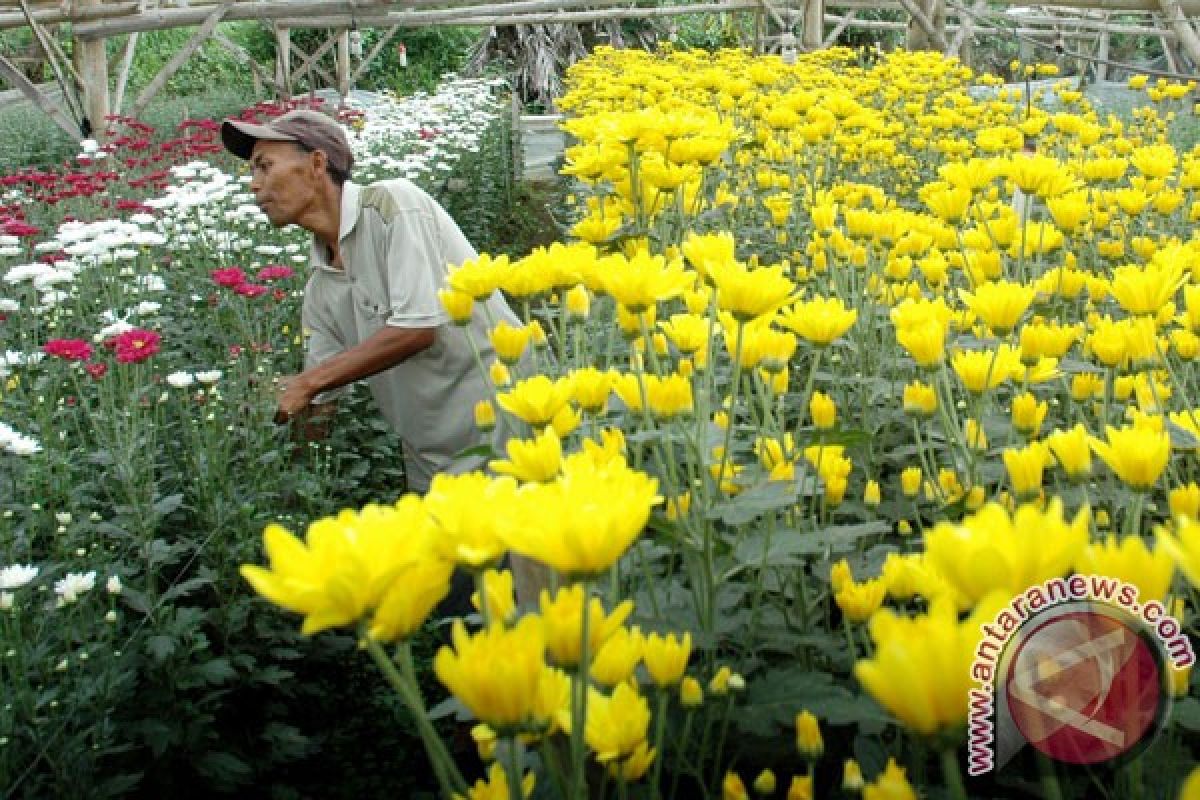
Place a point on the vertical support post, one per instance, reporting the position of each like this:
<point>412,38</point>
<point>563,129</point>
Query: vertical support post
<point>515,138</point>
<point>343,62</point>
<point>91,62</point>
<point>1105,44</point>
<point>812,38</point>
<point>283,60</point>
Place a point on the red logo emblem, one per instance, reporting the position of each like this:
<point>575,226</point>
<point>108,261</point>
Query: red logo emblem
<point>1084,687</point>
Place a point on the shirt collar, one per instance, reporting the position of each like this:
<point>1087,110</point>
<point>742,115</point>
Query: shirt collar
<point>351,206</point>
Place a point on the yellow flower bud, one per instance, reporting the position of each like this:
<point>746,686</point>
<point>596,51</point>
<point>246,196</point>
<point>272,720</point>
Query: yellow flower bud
<point>485,416</point>
<point>801,788</point>
<point>691,694</point>
<point>1185,500</point>
<point>910,481</point>
<point>578,302</point>
<point>732,788</point>
<point>823,411</point>
<point>808,736</point>
<point>920,399</point>
<point>872,495</point>
<point>765,782</point>
<point>499,374</point>
<point>458,305</point>
<point>852,776</point>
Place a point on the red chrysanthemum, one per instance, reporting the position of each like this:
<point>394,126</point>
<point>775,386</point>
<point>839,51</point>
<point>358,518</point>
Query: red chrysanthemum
<point>230,277</point>
<point>96,369</point>
<point>68,349</point>
<point>250,289</point>
<point>135,345</point>
<point>275,272</point>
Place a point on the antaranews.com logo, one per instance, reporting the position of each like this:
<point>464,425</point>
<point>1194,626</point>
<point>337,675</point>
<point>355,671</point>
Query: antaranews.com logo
<point>1075,667</point>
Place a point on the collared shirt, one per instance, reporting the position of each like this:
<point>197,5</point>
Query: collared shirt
<point>397,245</point>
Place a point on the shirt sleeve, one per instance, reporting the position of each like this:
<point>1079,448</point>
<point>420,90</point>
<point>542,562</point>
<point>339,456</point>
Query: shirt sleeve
<point>416,265</point>
<point>323,344</point>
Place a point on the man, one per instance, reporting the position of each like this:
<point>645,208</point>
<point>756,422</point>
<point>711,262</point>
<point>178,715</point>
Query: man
<point>379,255</point>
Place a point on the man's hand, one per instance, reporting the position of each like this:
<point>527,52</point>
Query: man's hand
<point>293,395</point>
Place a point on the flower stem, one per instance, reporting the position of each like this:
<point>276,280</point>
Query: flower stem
<point>660,720</point>
<point>952,775</point>
<point>444,768</point>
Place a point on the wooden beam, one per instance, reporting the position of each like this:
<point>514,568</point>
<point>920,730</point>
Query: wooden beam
<point>840,28</point>
<point>178,60</point>
<point>343,63</point>
<point>936,38</point>
<point>814,25</point>
<point>244,57</point>
<point>123,74</point>
<point>375,50</point>
<point>549,17</point>
<point>61,13</point>
<point>59,63</point>
<point>283,60</point>
<point>60,117</point>
<point>309,59</point>
<point>965,25</point>
<point>92,62</point>
<point>1184,31</point>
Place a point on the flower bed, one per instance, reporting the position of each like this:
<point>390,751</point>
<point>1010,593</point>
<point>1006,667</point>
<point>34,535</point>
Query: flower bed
<point>146,307</point>
<point>832,368</point>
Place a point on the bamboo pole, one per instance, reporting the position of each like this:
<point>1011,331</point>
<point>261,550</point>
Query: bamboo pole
<point>839,28</point>
<point>338,13</point>
<point>92,66</point>
<point>243,57</point>
<point>123,72</point>
<point>811,38</point>
<point>283,60</point>
<point>1183,29</point>
<point>343,62</point>
<point>157,19</point>
<point>61,118</point>
<point>178,60</point>
<point>966,21</point>
<point>309,60</point>
<point>565,17</point>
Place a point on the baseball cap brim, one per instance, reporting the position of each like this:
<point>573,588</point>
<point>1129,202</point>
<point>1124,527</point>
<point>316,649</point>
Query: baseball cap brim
<point>239,137</point>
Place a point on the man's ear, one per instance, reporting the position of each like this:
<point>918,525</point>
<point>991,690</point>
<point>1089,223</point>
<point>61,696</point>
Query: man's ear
<point>319,162</point>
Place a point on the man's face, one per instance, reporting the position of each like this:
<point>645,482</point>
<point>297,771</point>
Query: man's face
<point>283,178</point>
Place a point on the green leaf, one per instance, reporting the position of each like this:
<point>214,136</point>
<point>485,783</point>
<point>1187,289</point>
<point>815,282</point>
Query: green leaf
<point>1186,714</point>
<point>1181,437</point>
<point>773,701</point>
<point>755,502</point>
<point>215,672</point>
<point>161,647</point>
<point>186,587</point>
<point>165,505</point>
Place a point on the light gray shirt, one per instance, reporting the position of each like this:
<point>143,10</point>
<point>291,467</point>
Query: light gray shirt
<point>397,244</point>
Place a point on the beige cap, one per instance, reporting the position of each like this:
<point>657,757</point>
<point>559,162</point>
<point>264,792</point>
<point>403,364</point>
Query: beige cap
<point>312,129</point>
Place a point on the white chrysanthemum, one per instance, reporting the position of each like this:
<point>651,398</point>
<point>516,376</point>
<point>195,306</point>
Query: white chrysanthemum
<point>114,329</point>
<point>73,585</point>
<point>114,585</point>
<point>147,307</point>
<point>22,445</point>
<point>181,380</point>
<point>209,377</point>
<point>17,575</point>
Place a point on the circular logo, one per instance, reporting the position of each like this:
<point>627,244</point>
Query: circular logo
<point>1084,687</point>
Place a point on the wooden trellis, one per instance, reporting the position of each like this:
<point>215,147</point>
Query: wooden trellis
<point>90,87</point>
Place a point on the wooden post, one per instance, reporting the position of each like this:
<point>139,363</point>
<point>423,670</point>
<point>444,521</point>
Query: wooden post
<point>343,63</point>
<point>1184,32</point>
<point>124,71</point>
<point>1102,64</point>
<point>812,38</point>
<point>92,64</point>
<point>283,60</point>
